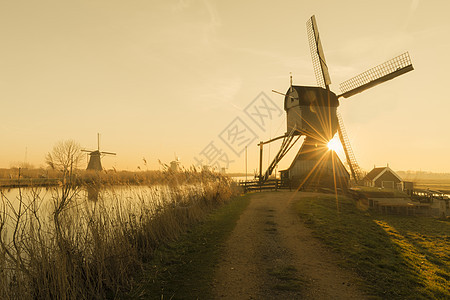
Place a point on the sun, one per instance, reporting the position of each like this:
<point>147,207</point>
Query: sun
<point>334,144</point>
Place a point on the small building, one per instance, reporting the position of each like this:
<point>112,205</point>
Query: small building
<point>383,177</point>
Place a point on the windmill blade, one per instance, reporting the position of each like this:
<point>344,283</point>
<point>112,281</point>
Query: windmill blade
<point>389,70</point>
<point>317,55</point>
<point>110,153</point>
<point>84,150</point>
<point>349,155</point>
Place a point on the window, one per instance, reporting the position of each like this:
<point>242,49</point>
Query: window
<point>387,184</point>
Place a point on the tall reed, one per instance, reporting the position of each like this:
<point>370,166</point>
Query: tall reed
<point>91,250</point>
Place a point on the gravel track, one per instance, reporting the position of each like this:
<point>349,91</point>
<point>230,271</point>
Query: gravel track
<point>272,255</point>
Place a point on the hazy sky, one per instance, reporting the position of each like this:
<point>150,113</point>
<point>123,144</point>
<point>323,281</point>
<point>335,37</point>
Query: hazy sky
<point>157,78</point>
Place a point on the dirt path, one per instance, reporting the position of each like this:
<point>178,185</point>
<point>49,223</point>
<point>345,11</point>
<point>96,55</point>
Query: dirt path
<point>272,255</point>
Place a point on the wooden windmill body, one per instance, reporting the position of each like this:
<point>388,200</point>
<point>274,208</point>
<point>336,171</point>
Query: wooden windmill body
<point>312,113</point>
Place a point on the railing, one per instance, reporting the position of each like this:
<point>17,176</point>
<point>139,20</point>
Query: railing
<point>257,185</point>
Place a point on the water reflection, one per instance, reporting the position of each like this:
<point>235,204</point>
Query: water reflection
<point>93,192</point>
<point>31,209</point>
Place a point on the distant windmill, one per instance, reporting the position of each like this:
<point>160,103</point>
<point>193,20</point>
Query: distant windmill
<point>312,112</point>
<point>175,164</point>
<point>95,163</point>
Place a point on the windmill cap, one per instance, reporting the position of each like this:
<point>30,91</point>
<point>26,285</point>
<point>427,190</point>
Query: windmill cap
<point>309,94</point>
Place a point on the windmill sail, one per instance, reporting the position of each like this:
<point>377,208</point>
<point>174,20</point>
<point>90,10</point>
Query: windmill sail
<point>349,155</point>
<point>110,153</point>
<point>317,55</point>
<point>389,70</point>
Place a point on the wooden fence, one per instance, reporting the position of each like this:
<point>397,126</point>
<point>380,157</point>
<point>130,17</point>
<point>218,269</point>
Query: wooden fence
<point>256,185</point>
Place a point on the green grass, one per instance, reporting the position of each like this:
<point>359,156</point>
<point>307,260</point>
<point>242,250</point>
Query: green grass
<point>183,269</point>
<point>397,257</point>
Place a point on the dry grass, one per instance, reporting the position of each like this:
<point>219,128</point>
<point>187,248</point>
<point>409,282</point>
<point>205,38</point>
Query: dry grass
<point>85,250</point>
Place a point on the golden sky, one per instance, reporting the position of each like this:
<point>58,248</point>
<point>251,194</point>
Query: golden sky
<point>159,78</point>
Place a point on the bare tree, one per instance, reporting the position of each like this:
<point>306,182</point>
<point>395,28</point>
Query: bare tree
<point>65,157</point>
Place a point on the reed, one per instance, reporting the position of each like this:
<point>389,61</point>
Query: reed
<point>84,249</point>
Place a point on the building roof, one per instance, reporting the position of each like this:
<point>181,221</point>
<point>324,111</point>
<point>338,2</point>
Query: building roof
<point>374,173</point>
<point>377,172</point>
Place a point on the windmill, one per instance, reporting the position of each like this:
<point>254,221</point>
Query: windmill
<point>312,113</point>
<point>95,163</point>
<point>175,164</point>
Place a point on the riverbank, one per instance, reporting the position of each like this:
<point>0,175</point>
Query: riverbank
<point>29,182</point>
<point>13,178</point>
<point>70,247</point>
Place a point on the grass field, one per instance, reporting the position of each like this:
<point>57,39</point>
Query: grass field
<point>397,256</point>
<point>440,185</point>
